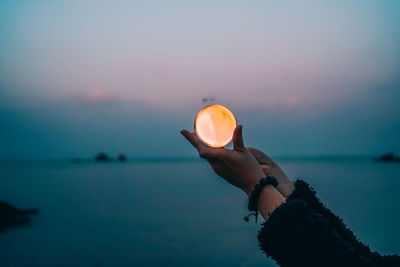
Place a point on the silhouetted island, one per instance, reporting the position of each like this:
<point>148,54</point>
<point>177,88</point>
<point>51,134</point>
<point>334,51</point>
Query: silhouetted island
<point>389,157</point>
<point>11,216</point>
<point>102,157</point>
<point>122,157</point>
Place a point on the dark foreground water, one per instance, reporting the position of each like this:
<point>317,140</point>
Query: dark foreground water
<point>175,213</point>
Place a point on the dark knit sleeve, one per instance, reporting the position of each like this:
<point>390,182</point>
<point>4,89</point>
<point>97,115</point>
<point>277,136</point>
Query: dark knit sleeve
<point>304,232</point>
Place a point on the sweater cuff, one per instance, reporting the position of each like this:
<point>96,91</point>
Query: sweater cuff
<point>306,193</point>
<point>295,235</point>
<point>305,231</point>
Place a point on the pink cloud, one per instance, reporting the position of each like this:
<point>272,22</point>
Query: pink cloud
<point>99,97</point>
<point>293,101</point>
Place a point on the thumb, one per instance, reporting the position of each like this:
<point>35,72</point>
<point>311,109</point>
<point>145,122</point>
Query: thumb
<point>238,139</point>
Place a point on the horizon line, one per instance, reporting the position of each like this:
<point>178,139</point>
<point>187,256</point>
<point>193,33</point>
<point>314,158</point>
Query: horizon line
<point>178,158</point>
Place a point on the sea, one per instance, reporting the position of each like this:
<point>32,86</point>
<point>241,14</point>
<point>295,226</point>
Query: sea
<point>176,212</point>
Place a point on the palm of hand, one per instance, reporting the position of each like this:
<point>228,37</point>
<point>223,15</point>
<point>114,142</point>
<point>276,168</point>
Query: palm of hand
<point>237,166</point>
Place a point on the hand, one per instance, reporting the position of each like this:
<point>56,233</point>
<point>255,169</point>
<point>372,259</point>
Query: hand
<point>237,166</point>
<point>271,168</point>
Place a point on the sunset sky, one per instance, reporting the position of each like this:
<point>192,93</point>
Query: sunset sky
<point>303,77</point>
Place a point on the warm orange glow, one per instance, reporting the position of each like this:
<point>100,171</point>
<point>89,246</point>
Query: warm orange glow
<point>214,125</point>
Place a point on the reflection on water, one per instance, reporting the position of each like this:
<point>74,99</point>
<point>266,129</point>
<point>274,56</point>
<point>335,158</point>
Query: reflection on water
<point>175,213</point>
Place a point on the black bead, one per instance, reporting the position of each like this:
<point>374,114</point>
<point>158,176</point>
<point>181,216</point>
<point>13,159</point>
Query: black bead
<point>257,187</point>
<point>255,194</point>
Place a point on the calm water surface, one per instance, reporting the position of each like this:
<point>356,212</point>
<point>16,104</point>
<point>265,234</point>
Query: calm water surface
<point>175,213</point>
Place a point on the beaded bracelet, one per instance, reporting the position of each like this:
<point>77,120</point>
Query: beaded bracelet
<point>255,195</point>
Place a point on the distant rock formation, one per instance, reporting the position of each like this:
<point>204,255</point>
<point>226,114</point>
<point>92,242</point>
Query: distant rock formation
<point>101,157</point>
<point>389,157</point>
<point>11,216</point>
<point>122,157</point>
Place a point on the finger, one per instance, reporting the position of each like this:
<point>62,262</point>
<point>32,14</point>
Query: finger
<point>266,169</point>
<point>191,138</point>
<point>204,151</point>
<point>260,156</point>
<point>212,153</point>
<point>238,143</point>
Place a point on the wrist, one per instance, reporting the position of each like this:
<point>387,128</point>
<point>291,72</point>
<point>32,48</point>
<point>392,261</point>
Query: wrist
<point>251,186</point>
<point>253,180</point>
<point>269,200</point>
<point>265,198</point>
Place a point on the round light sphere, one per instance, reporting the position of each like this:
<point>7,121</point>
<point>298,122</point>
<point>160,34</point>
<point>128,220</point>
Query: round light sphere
<point>214,125</point>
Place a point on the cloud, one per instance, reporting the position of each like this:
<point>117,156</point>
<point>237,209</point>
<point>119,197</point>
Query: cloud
<point>293,101</point>
<point>99,97</point>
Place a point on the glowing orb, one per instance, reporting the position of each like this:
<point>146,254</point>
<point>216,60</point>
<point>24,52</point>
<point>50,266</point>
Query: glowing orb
<point>214,125</point>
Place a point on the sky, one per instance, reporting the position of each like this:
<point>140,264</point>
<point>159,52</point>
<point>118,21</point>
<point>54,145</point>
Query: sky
<point>302,77</point>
